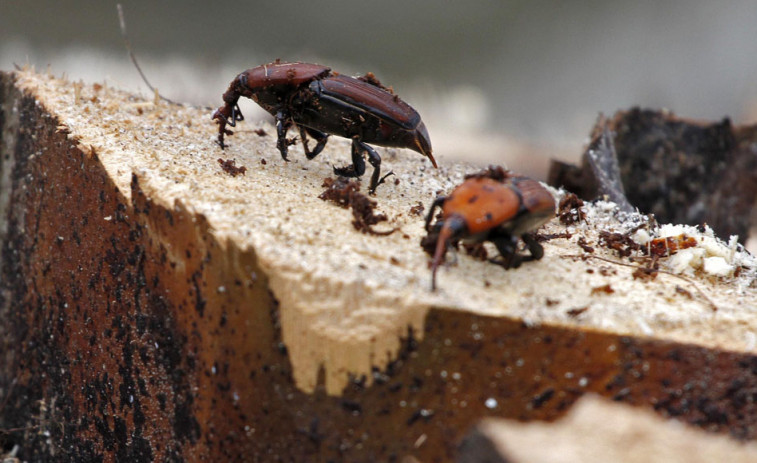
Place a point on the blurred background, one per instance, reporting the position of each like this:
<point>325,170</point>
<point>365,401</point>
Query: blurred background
<point>510,81</point>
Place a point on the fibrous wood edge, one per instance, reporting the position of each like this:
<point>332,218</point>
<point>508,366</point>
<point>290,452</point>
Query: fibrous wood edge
<point>598,430</point>
<point>355,325</point>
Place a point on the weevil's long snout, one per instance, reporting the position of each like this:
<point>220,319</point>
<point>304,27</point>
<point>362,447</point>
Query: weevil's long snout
<point>452,227</point>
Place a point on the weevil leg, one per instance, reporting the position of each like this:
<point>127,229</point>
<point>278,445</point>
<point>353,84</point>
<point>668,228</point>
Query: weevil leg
<point>236,115</point>
<point>282,126</point>
<point>357,169</point>
<point>229,113</point>
<point>222,130</point>
<point>536,249</point>
<point>226,114</point>
<point>304,138</point>
<point>320,138</point>
<point>508,249</point>
<point>383,179</point>
<point>438,202</point>
<point>375,160</point>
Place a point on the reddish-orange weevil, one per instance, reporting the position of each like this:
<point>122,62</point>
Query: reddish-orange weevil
<point>494,205</point>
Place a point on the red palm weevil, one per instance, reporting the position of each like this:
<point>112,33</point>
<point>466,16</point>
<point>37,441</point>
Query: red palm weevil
<point>320,103</point>
<point>494,205</point>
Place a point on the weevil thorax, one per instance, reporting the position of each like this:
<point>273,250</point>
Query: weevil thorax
<point>538,205</point>
<point>271,85</point>
<point>482,204</point>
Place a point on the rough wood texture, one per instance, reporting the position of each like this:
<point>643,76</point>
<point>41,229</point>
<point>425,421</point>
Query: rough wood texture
<point>599,431</point>
<point>157,308</point>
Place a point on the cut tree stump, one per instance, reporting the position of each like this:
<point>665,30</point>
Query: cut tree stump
<point>156,307</point>
<point>680,170</point>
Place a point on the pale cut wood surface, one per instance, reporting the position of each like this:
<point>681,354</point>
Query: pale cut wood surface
<point>347,297</point>
<point>174,311</point>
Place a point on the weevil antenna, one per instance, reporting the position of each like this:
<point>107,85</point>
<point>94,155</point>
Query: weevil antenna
<point>122,22</point>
